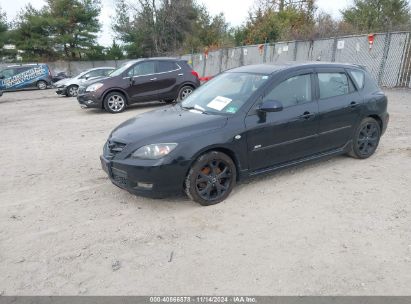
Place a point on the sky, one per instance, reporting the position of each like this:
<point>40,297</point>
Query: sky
<point>236,11</point>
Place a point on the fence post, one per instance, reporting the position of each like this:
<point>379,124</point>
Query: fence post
<point>204,64</point>
<point>334,50</point>
<point>242,56</point>
<point>221,60</point>
<point>69,69</point>
<point>295,50</point>
<point>265,52</point>
<point>387,43</point>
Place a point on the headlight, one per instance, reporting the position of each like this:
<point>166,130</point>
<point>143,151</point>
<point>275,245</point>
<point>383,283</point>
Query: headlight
<point>155,151</point>
<point>94,87</point>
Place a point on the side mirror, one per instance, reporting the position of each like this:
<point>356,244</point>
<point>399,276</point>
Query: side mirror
<point>87,77</point>
<point>271,106</point>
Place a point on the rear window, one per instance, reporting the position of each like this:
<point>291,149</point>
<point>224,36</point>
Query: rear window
<point>359,77</point>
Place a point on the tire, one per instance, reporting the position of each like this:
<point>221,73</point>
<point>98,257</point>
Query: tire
<point>184,92</point>
<point>115,102</point>
<point>366,139</point>
<point>41,85</point>
<point>211,178</point>
<point>72,91</point>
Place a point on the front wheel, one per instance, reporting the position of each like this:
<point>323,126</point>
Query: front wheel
<point>366,139</point>
<point>42,85</point>
<point>72,91</point>
<point>184,92</point>
<point>211,178</point>
<point>115,102</point>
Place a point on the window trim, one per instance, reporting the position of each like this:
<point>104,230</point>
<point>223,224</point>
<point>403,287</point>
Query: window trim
<point>356,85</point>
<point>156,67</point>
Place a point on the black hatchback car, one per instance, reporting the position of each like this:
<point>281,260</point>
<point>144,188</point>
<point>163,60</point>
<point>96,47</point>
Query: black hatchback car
<point>141,80</point>
<point>247,121</point>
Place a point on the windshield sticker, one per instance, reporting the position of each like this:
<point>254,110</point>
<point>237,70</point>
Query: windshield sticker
<point>219,103</point>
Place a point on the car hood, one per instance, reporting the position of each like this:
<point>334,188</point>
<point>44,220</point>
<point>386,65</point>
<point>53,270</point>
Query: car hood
<point>170,124</point>
<point>93,80</point>
<point>62,81</point>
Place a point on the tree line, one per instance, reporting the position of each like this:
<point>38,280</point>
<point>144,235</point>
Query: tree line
<point>68,29</point>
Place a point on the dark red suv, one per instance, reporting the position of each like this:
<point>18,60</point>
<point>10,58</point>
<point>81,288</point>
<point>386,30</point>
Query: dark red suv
<point>141,80</point>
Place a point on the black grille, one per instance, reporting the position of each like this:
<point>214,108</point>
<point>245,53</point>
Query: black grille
<point>114,148</point>
<point>122,181</point>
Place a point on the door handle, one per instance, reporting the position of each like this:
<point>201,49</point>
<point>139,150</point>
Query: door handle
<point>153,79</point>
<point>181,74</point>
<point>307,115</point>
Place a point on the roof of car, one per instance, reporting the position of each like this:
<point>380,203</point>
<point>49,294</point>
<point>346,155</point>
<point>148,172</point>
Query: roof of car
<point>100,68</point>
<point>272,68</point>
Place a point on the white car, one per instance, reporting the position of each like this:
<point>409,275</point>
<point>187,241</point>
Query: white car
<point>69,86</point>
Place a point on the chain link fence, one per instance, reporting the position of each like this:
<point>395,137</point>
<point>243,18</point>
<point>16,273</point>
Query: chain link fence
<point>387,58</point>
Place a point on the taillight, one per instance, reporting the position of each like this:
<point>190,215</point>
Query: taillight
<point>194,73</point>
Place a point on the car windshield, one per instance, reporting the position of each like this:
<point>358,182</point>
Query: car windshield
<point>225,94</point>
<point>122,69</point>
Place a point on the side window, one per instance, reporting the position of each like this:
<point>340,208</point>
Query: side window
<point>293,91</point>
<point>143,68</point>
<point>334,84</point>
<point>166,66</point>
<point>7,73</point>
<point>106,72</point>
<point>94,73</point>
<point>359,77</point>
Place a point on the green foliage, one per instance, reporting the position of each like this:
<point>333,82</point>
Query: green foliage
<point>115,51</point>
<point>61,29</point>
<point>277,20</point>
<point>167,27</point>
<point>378,15</point>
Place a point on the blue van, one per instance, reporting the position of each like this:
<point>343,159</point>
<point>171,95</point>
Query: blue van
<point>26,76</point>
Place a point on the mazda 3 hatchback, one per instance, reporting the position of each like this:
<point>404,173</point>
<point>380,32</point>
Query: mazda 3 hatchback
<point>245,122</point>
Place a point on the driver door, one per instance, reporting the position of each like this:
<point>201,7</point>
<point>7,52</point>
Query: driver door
<point>280,137</point>
<point>143,82</point>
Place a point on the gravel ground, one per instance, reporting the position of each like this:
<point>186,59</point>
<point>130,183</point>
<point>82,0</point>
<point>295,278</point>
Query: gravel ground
<point>338,227</point>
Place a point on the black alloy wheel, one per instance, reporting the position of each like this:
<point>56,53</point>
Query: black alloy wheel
<point>211,178</point>
<point>366,139</point>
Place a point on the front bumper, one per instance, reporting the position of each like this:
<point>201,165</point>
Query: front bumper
<point>61,91</point>
<point>89,100</point>
<point>147,178</point>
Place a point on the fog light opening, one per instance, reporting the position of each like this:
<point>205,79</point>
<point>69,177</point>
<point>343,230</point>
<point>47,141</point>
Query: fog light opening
<point>146,186</point>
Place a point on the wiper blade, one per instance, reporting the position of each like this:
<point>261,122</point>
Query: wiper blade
<point>195,108</point>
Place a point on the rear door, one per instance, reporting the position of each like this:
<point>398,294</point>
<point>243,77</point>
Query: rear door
<point>168,74</point>
<point>143,81</point>
<point>339,107</point>
<point>280,137</point>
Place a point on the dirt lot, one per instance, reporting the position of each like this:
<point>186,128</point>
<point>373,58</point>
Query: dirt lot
<point>337,227</point>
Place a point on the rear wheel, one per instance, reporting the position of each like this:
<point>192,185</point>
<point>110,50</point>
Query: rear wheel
<point>115,102</point>
<point>366,139</point>
<point>211,178</point>
<point>184,92</point>
<point>41,85</point>
<point>72,91</point>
